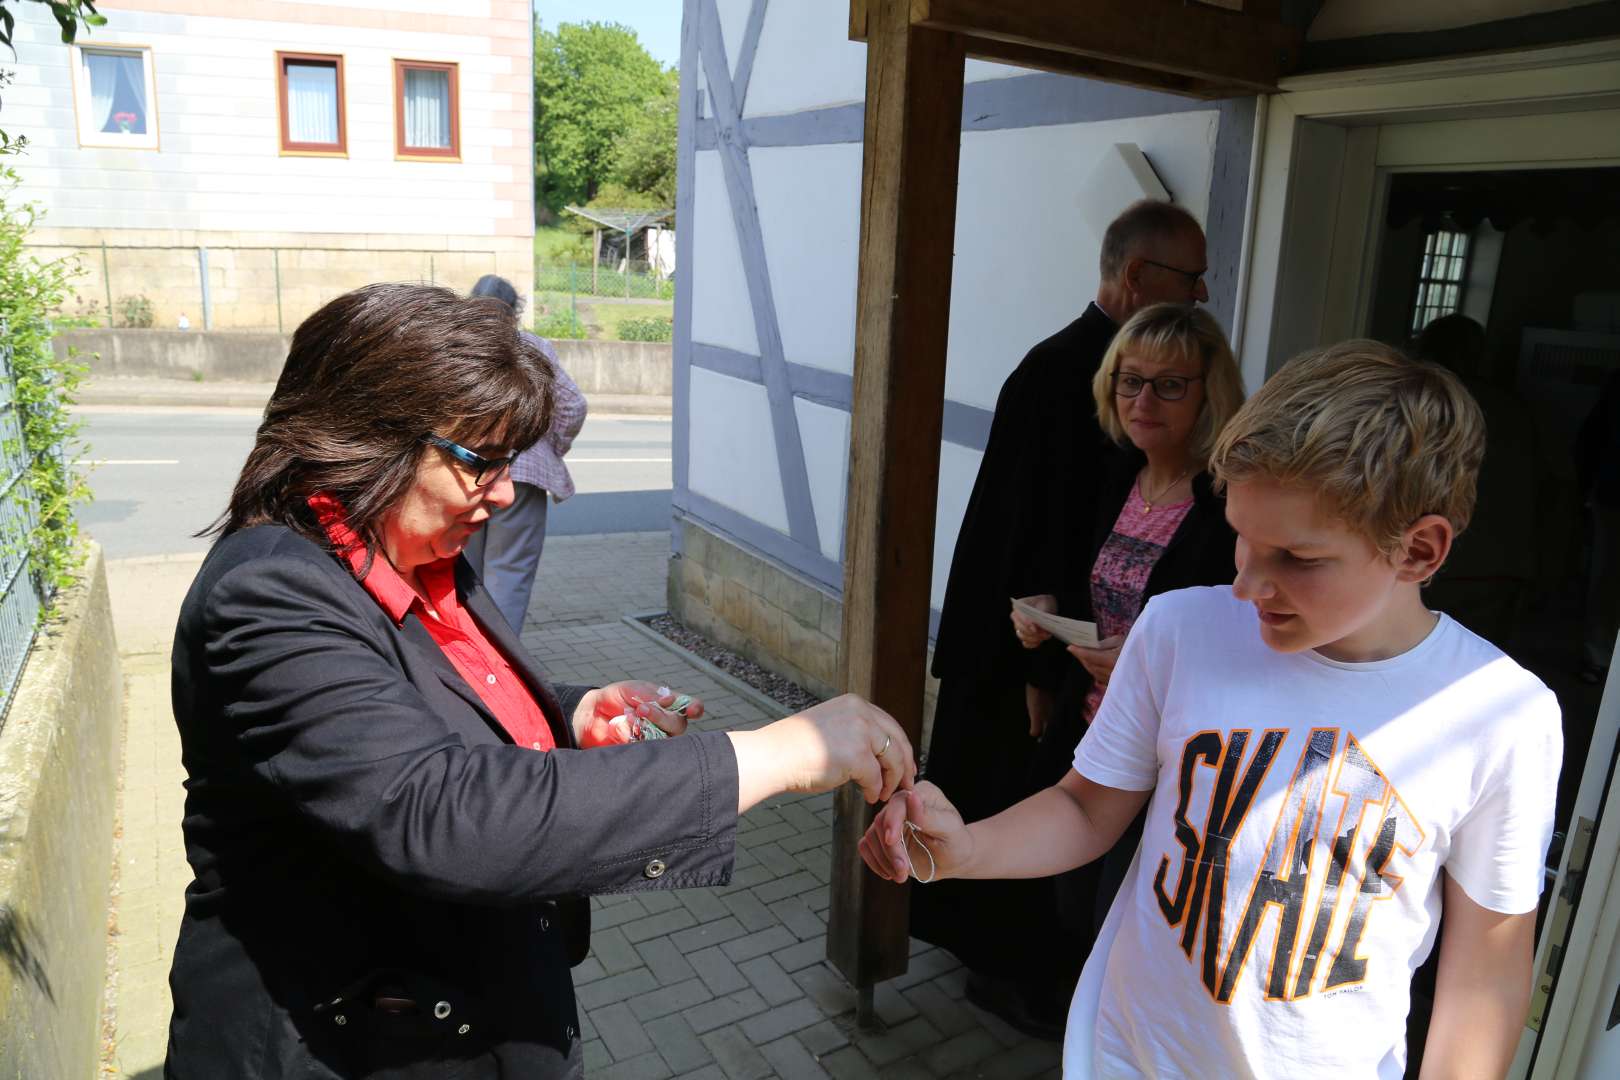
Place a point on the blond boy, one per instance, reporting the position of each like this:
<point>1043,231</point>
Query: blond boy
<point>1314,747</point>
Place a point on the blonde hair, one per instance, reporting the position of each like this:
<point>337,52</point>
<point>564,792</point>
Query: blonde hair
<point>1174,330</point>
<point>1385,439</point>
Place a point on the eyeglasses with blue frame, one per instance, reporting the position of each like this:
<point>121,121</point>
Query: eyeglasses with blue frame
<point>485,470</point>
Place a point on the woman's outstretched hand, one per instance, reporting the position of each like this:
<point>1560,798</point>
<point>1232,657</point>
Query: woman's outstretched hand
<point>847,739</point>
<point>604,716</point>
<point>918,834</point>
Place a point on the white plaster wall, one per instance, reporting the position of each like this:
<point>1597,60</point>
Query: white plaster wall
<point>1025,266</point>
<point>731,449</point>
<point>985,70</point>
<point>958,467</point>
<point>218,166</point>
<point>825,432</point>
<point>721,311</point>
<point>810,211</point>
<point>733,23</point>
<point>805,59</point>
<point>1026,260</point>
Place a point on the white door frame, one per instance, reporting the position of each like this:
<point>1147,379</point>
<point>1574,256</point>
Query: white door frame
<point>1324,147</point>
<point>1316,146</point>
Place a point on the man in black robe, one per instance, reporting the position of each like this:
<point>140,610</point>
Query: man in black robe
<point>1026,530</point>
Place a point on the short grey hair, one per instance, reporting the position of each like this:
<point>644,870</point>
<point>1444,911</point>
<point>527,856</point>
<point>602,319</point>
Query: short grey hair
<point>1142,224</point>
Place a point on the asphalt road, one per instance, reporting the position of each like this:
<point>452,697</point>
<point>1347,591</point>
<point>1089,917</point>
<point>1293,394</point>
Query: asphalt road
<point>162,474</point>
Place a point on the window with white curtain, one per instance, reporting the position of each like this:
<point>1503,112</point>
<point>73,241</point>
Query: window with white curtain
<point>425,110</point>
<point>115,96</point>
<point>311,99</point>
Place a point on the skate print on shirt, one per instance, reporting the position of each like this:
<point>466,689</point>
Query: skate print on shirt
<point>1335,850</point>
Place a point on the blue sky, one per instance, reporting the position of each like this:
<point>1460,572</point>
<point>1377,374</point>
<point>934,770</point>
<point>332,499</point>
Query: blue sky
<point>656,22</point>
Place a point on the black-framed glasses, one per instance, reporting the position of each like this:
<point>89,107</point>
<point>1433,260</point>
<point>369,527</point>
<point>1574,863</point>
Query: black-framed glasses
<point>485,470</point>
<point>1193,276</point>
<point>1165,387</point>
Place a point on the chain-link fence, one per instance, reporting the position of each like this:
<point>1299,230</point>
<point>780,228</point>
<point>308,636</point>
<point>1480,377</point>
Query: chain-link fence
<point>616,281</point>
<point>20,597</point>
<point>244,287</point>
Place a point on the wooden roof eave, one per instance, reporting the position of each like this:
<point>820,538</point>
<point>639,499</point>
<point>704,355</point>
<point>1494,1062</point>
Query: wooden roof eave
<point>1188,48</point>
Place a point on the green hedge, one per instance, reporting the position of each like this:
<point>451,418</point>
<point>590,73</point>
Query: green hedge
<point>559,324</point>
<point>31,292</point>
<point>652,328</point>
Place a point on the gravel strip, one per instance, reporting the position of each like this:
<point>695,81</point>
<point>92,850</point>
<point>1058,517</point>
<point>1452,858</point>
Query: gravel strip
<point>789,693</point>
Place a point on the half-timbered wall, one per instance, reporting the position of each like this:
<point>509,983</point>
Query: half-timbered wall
<point>769,217</point>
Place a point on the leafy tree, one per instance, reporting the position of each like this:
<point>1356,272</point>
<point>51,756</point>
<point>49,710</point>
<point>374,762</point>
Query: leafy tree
<point>615,196</point>
<point>69,14</point>
<point>592,83</point>
<point>644,154</point>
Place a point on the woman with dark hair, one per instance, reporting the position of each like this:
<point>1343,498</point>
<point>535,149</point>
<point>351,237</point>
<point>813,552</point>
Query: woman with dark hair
<point>391,818</point>
<point>506,551</point>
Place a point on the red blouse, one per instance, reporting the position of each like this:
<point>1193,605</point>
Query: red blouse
<point>450,625</point>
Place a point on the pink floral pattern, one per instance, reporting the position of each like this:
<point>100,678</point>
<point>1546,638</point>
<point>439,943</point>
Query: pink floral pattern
<point>1119,577</point>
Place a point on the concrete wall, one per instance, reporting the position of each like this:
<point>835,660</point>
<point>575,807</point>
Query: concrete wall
<point>599,367</point>
<point>59,758</point>
<point>618,367</point>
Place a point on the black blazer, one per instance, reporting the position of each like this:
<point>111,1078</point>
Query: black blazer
<point>1201,552</point>
<point>1036,486</point>
<point>360,827</point>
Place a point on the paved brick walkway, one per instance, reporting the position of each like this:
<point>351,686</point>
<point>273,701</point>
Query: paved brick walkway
<point>702,983</point>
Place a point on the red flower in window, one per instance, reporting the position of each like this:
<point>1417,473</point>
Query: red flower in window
<point>124,120</point>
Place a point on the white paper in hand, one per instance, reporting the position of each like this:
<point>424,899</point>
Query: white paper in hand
<point>1068,631</point>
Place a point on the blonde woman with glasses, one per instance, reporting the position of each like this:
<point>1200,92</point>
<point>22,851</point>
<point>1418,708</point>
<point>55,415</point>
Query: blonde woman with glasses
<point>1166,387</point>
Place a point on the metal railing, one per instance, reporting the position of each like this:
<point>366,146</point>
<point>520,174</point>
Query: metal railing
<point>20,592</point>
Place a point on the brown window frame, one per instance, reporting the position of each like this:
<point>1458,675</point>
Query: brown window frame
<point>427,153</point>
<point>305,149</point>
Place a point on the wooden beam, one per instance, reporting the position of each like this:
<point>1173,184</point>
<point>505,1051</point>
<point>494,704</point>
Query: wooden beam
<point>1205,43</point>
<point>1006,52</point>
<point>903,300</point>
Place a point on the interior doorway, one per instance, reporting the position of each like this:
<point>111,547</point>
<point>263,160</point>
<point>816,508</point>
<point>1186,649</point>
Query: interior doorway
<point>1530,258</point>
<point>1371,186</point>
<point>1511,279</point>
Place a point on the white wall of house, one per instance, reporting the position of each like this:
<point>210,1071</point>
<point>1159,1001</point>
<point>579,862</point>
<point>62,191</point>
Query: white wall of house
<point>1025,265</point>
<point>218,163</point>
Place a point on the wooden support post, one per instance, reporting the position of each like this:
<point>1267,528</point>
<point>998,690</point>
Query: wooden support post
<point>908,215</point>
<point>596,257</point>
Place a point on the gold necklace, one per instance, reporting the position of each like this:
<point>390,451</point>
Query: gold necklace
<point>1147,503</point>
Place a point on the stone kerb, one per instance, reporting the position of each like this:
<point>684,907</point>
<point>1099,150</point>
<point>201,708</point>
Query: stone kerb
<point>59,755</point>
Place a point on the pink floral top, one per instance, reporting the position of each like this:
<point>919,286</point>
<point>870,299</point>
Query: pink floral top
<point>1119,577</point>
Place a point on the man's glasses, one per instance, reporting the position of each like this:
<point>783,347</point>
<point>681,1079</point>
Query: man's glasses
<point>1193,276</point>
<point>485,470</point>
<point>1165,387</point>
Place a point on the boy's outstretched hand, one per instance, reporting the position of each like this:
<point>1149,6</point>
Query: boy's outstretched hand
<point>939,845</point>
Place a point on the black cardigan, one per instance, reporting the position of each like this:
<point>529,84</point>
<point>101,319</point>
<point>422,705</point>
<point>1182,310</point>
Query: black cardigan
<point>361,826</point>
<point>1200,553</point>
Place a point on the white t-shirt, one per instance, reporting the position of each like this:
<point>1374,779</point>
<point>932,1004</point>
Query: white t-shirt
<point>1278,780</point>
